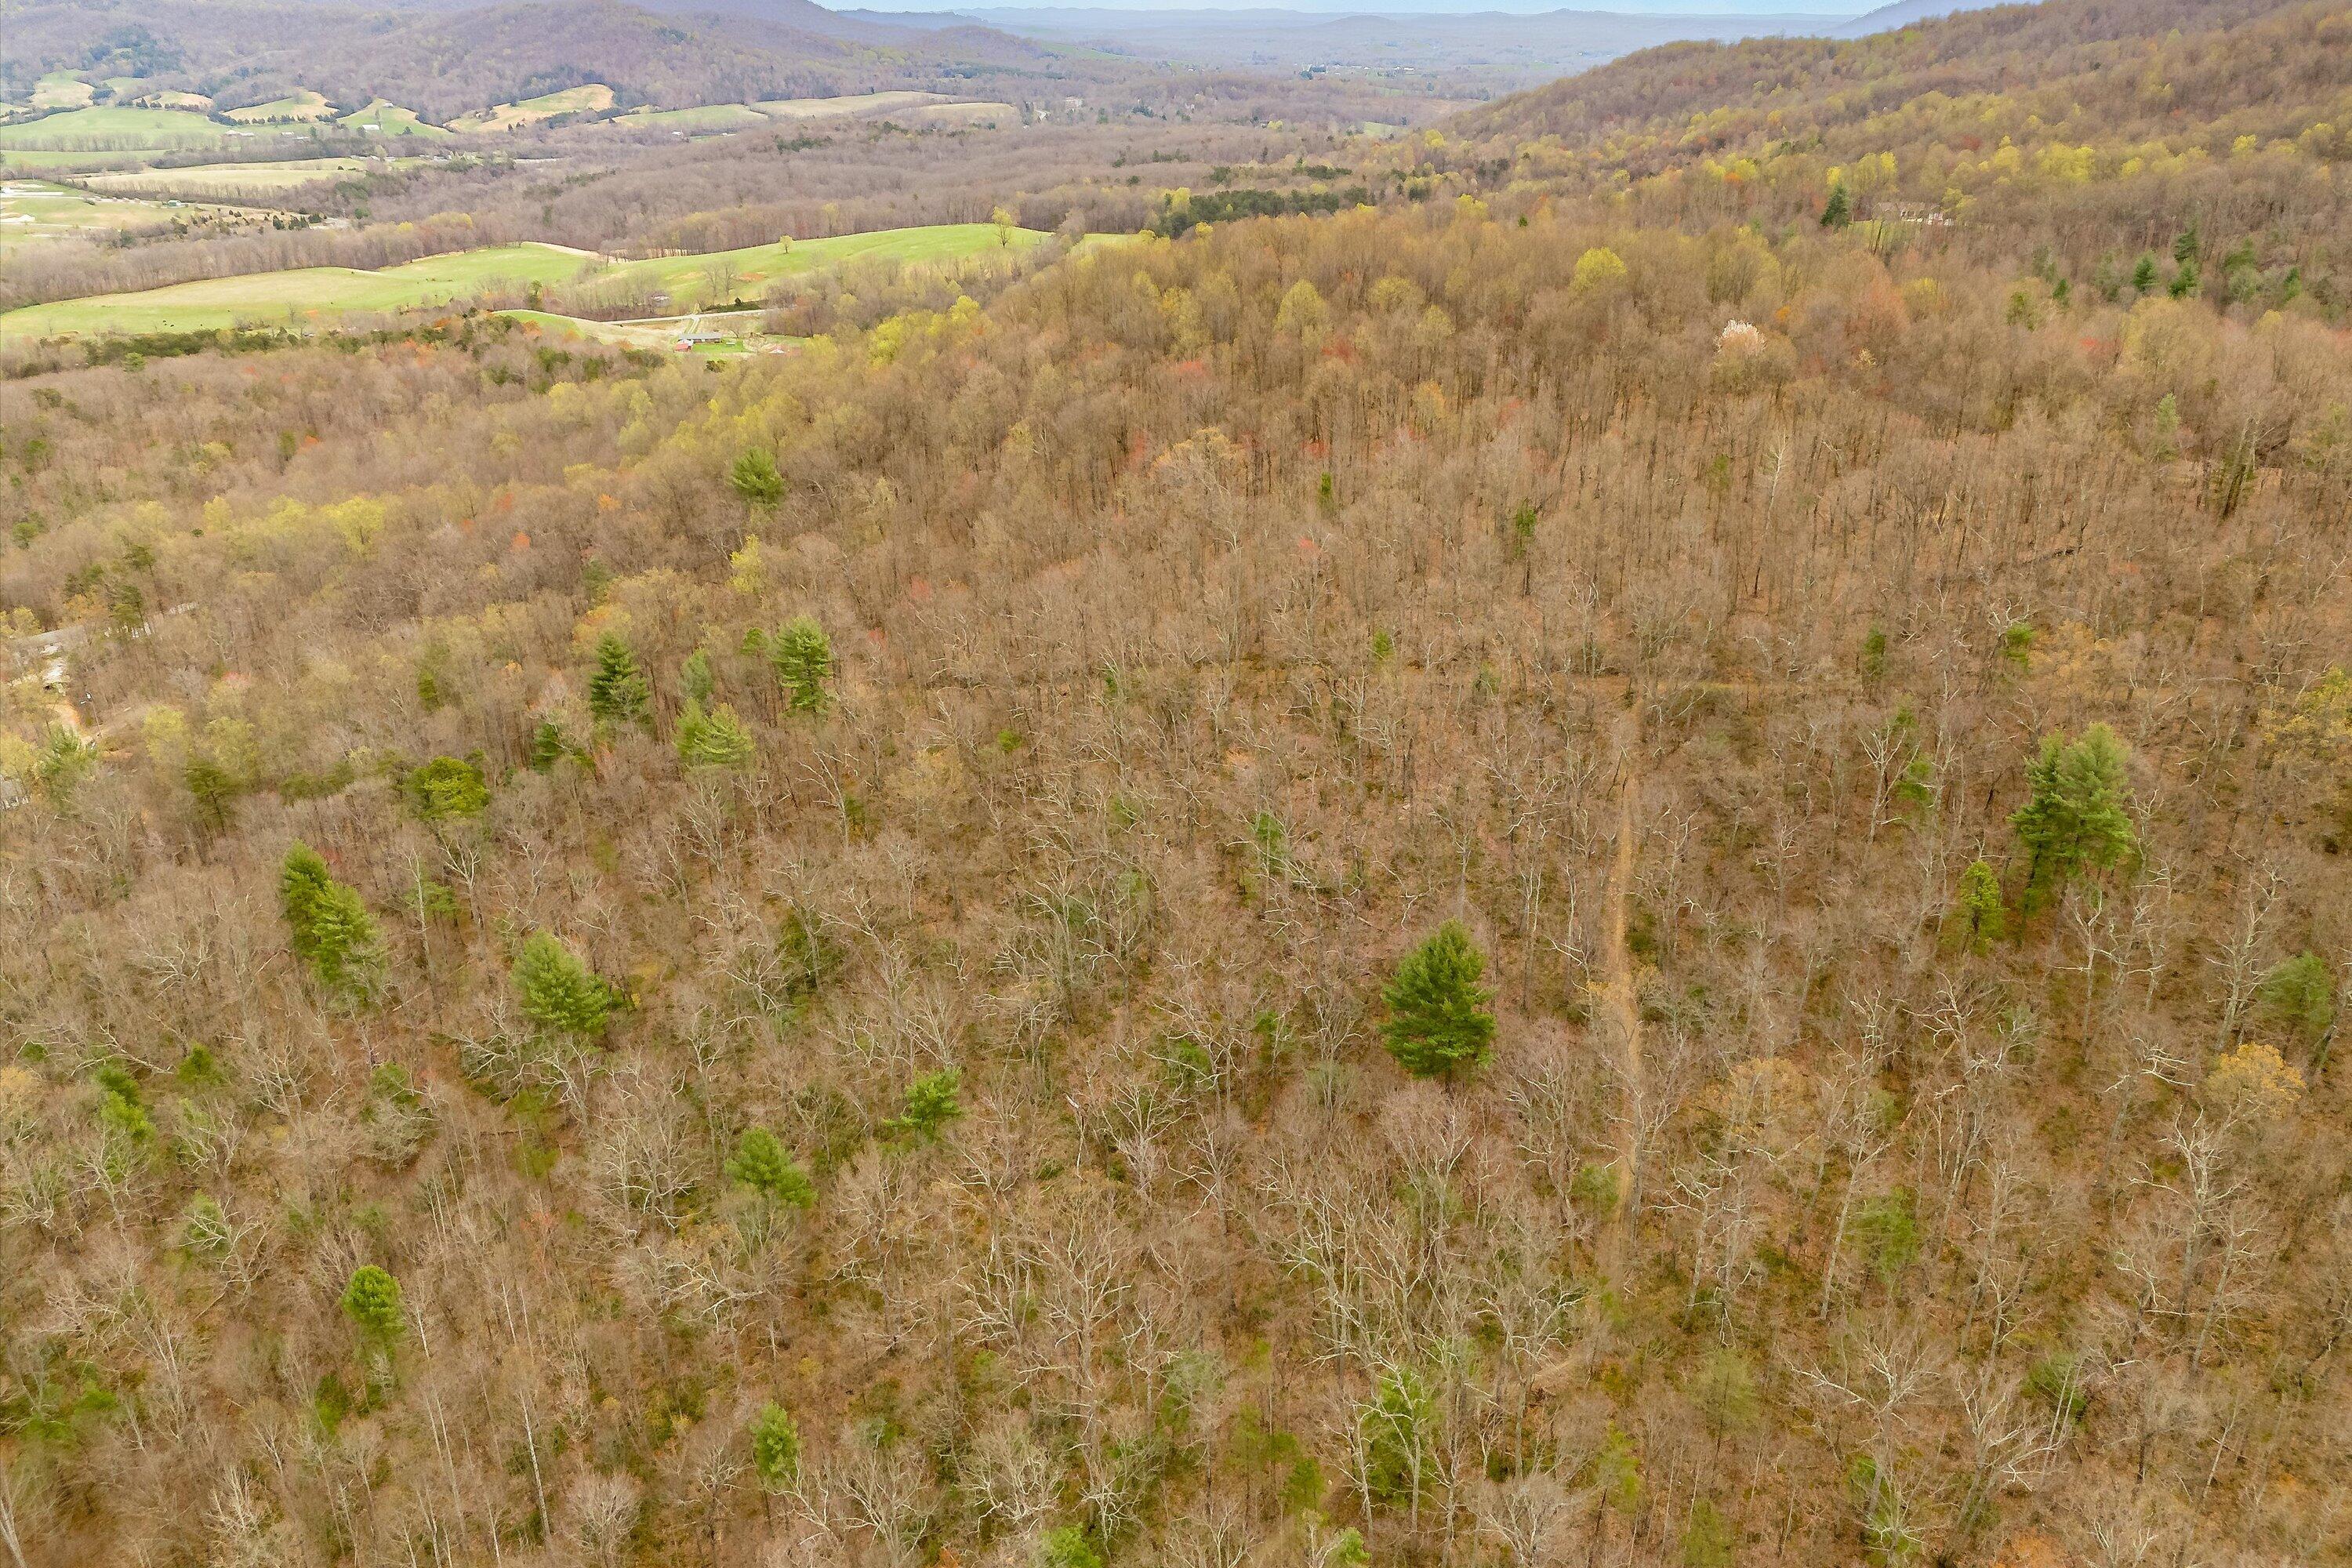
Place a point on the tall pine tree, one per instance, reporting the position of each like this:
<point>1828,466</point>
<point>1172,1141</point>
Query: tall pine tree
<point>2073,819</point>
<point>559,993</point>
<point>1438,1026</point>
<point>617,693</point>
<point>329,926</point>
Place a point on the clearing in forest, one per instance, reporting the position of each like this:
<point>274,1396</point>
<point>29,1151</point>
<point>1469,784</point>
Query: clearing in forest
<point>594,98</point>
<point>382,117</point>
<point>239,179</point>
<point>301,105</point>
<point>117,128</point>
<point>36,209</point>
<point>314,296</point>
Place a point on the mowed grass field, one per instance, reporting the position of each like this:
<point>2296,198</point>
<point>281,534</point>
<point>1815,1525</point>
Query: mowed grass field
<point>316,295</point>
<point>237,179</point>
<point>308,295</point>
<point>112,127</point>
<point>592,98</point>
<point>62,90</point>
<point>33,209</point>
<point>300,104</point>
<point>384,118</point>
<point>708,117</point>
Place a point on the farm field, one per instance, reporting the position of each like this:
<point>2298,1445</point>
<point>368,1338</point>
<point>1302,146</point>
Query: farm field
<point>115,129</point>
<point>237,179</point>
<point>62,90</point>
<point>756,265</point>
<point>706,117</point>
<point>847,105</point>
<point>35,209</point>
<point>979,113</point>
<point>659,336</point>
<point>384,118</point>
<point>301,105</point>
<point>304,296</point>
<point>15,159</point>
<point>592,98</point>
<point>314,296</point>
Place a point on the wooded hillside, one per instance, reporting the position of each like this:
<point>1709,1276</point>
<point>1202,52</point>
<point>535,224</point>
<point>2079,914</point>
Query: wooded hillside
<point>1550,877</point>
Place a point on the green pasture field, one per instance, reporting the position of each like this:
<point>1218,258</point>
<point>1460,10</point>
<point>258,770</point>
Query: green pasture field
<point>114,129</point>
<point>314,296</point>
<point>382,118</point>
<point>234,179</point>
<point>708,117</point>
<point>300,104</point>
<point>36,209</point>
<point>594,98</point>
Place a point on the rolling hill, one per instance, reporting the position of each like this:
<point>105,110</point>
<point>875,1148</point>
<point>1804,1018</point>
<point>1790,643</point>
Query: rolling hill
<point>271,55</point>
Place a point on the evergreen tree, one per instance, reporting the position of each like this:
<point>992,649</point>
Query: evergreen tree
<point>1978,917</point>
<point>1438,1025</point>
<point>760,1163</point>
<point>447,789</point>
<point>802,655</point>
<point>550,745</point>
<point>712,740</point>
<point>559,993</point>
<point>213,790</point>
<point>1874,655</point>
<point>2144,275</point>
<point>2300,995</point>
<point>372,1301</point>
<point>932,1101</point>
<point>2073,818</point>
<point>775,1448</point>
<point>1838,211</point>
<point>694,675</point>
<point>755,479</point>
<point>1398,1429</point>
<point>617,693</point>
<point>329,925</point>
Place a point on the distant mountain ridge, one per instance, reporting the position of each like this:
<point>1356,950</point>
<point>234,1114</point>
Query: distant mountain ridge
<point>1903,13</point>
<point>445,62</point>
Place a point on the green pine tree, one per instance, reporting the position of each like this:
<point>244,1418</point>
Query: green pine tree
<point>1838,211</point>
<point>329,925</point>
<point>447,789</point>
<point>2300,995</point>
<point>1398,1430</point>
<point>372,1301</point>
<point>2144,275</point>
<point>617,693</point>
<point>1707,1541</point>
<point>213,790</point>
<point>802,655</point>
<point>550,745</point>
<point>712,740</point>
<point>755,477</point>
<point>760,1164</point>
<point>2073,818</point>
<point>1978,917</point>
<point>775,1448</point>
<point>559,993</point>
<point>1438,1025</point>
<point>694,675</point>
<point>932,1101</point>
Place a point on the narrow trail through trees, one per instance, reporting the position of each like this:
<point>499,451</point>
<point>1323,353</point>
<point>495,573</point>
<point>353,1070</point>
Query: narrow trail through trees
<point>1618,989</point>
